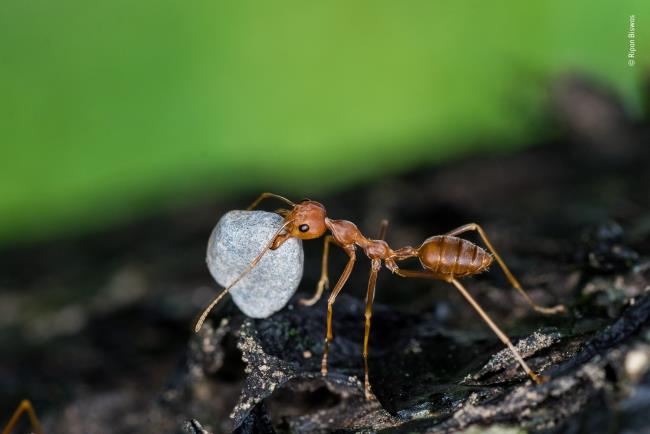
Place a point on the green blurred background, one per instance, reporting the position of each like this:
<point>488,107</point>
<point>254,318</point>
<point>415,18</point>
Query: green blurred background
<point>114,110</point>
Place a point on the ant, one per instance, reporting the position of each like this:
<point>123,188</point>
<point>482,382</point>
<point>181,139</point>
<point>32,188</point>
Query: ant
<point>24,407</point>
<point>443,257</point>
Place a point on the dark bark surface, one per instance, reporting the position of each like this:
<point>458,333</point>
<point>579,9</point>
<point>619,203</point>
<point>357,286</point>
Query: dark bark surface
<point>96,330</point>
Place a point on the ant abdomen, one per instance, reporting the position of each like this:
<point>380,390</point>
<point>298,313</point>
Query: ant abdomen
<point>447,255</point>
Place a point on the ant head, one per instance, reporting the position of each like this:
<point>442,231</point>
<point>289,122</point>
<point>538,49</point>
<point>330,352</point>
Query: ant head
<point>305,221</point>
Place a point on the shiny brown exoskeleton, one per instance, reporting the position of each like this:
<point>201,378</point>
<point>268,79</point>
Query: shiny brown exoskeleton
<point>443,257</point>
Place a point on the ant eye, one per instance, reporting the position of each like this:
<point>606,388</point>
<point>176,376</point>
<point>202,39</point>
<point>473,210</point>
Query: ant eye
<point>303,228</point>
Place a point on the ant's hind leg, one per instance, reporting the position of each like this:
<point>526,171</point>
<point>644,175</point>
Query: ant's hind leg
<point>502,336</point>
<point>511,278</point>
<point>24,407</point>
<point>538,379</point>
<point>323,282</point>
<point>330,303</point>
<point>370,297</point>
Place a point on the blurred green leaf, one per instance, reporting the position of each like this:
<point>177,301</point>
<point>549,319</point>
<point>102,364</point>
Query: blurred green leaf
<point>112,109</point>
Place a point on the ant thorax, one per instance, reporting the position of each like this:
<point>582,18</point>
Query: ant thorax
<point>377,249</point>
<point>346,232</point>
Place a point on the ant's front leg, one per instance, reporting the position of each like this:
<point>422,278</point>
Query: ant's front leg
<point>330,302</point>
<point>511,278</point>
<point>323,282</point>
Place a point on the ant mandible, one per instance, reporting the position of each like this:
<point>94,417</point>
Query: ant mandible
<point>443,257</point>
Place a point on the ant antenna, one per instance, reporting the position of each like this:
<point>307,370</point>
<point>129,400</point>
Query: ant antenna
<point>267,195</point>
<point>250,267</point>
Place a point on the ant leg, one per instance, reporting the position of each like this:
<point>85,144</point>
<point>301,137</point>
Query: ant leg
<point>502,336</point>
<point>532,374</point>
<point>382,229</point>
<point>511,278</point>
<point>417,274</point>
<point>370,297</point>
<point>330,302</point>
<point>24,407</point>
<point>267,195</point>
<point>324,281</point>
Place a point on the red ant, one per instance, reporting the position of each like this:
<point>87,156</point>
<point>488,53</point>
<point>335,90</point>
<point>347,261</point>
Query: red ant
<point>443,257</point>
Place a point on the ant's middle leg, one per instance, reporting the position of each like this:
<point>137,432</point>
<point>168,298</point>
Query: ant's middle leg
<point>330,302</point>
<point>501,335</point>
<point>370,297</point>
<point>323,282</point>
<point>511,278</point>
